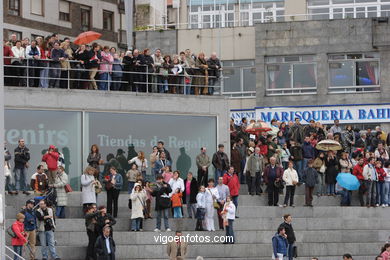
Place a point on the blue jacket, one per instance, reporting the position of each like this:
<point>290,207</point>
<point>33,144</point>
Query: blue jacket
<point>119,181</point>
<point>308,151</point>
<point>117,69</point>
<point>279,245</point>
<point>30,222</point>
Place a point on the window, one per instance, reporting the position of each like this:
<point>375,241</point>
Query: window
<point>37,7</point>
<point>64,7</point>
<point>8,34</point>
<point>14,7</point>
<point>85,18</point>
<point>214,15</point>
<point>347,71</point>
<point>291,75</point>
<point>240,78</point>
<point>108,20</point>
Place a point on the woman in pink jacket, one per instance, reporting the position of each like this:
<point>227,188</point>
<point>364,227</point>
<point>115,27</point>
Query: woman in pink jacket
<point>386,251</point>
<point>105,68</point>
<point>20,238</point>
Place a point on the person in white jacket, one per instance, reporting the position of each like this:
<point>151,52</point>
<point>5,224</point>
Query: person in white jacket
<point>290,177</point>
<point>141,162</point>
<point>370,180</point>
<point>88,182</point>
<point>138,199</point>
<point>229,212</point>
<point>211,195</point>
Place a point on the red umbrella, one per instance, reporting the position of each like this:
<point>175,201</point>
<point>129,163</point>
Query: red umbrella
<point>258,127</point>
<point>87,37</point>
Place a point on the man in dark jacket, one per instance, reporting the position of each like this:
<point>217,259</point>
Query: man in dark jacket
<point>308,152</point>
<point>214,71</point>
<point>296,131</point>
<point>297,157</point>
<point>105,246</point>
<point>189,195</point>
<point>220,162</point>
<point>161,192</point>
<point>310,178</point>
<point>290,234</point>
<point>22,156</point>
<point>161,148</point>
<point>273,174</point>
<point>30,225</point>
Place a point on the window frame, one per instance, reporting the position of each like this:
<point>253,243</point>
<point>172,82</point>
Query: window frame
<point>42,8</point>
<point>13,11</point>
<point>111,17</point>
<point>241,93</point>
<point>66,14</point>
<point>291,91</point>
<point>354,88</point>
<point>85,9</point>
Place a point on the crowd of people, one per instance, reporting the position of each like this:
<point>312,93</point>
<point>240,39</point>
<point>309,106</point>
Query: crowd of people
<point>51,63</point>
<point>287,156</point>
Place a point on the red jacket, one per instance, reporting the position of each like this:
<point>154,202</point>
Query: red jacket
<point>51,160</point>
<point>7,52</point>
<point>380,172</point>
<point>358,172</point>
<point>233,183</point>
<point>263,149</point>
<point>279,173</point>
<point>20,239</point>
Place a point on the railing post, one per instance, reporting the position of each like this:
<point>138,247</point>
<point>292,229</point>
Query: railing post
<point>27,74</point>
<point>221,88</point>
<point>69,77</point>
<point>147,79</point>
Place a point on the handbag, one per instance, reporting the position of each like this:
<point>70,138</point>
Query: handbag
<point>215,203</point>
<point>98,187</point>
<point>323,168</point>
<point>7,171</point>
<point>144,210</point>
<point>11,232</point>
<point>68,188</point>
<point>278,184</point>
<point>295,251</point>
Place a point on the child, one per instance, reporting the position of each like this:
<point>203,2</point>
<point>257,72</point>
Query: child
<point>229,214</point>
<point>132,175</point>
<point>201,208</point>
<point>177,203</point>
<point>167,174</point>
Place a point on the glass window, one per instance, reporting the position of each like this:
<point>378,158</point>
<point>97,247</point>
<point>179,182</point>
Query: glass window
<point>304,76</point>
<point>14,7</point>
<point>85,18</point>
<point>367,73</point>
<point>108,20</point>
<point>360,12</point>
<point>240,76</point>
<point>37,7</point>
<point>206,21</point>
<point>338,13</point>
<point>341,73</point>
<point>249,76</point>
<point>318,2</point>
<point>349,13</point>
<point>64,11</point>
<point>244,17</point>
<point>233,82</point>
<point>319,13</point>
<point>280,16</point>
<point>372,11</point>
<point>343,1</point>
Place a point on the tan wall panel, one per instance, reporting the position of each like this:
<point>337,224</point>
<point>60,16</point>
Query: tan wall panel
<point>294,7</point>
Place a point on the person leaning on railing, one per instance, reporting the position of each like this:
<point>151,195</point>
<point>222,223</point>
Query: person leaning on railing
<point>18,62</point>
<point>149,66</point>
<point>66,65</point>
<point>57,55</point>
<point>175,78</point>
<point>7,52</point>
<point>201,78</point>
<point>81,55</point>
<point>92,65</point>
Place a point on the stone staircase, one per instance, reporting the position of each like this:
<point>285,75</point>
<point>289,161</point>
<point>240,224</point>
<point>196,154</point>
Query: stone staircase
<point>326,230</point>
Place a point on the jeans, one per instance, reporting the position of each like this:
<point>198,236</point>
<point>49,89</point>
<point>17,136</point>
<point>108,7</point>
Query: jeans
<point>130,186</point>
<point>331,189</point>
<point>242,174</point>
<point>18,250</point>
<point>290,191</point>
<point>320,187</point>
<point>47,241</point>
<point>136,224</point>
<point>8,184</point>
<point>230,232</point>
<point>304,164</point>
<point>235,201</point>
<point>345,198</point>
<point>191,207</point>
<point>20,179</point>
<point>44,76</point>
<point>371,192</point>
<point>162,213</point>
<point>54,75</point>
<point>164,87</point>
<point>177,212</point>
<point>104,80</point>
<point>298,166</point>
<point>218,173</point>
<point>386,192</point>
<point>379,192</point>
<point>115,85</point>
<point>290,248</point>
<point>60,211</point>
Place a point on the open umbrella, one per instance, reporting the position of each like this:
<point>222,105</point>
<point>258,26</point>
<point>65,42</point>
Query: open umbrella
<point>328,145</point>
<point>87,37</point>
<point>257,127</point>
<point>348,181</point>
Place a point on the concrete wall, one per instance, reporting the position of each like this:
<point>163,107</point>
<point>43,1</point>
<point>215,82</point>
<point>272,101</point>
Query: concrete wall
<point>81,100</point>
<point>230,43</point>
<point>242,103</point>
<point>321,38</point>
<point>165,40</point>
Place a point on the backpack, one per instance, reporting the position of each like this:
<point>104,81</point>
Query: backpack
<point>11,232</point>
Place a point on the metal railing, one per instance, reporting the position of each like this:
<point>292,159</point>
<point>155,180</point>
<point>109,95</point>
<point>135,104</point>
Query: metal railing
<point>52,75</point>
<point>13,254</point>
<point>291,91</point>
<point>354,89</point>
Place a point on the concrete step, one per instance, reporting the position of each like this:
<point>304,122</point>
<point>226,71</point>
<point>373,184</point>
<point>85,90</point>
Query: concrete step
<point>221,251</point>
<point>240,224</point>
<point>242,237</point>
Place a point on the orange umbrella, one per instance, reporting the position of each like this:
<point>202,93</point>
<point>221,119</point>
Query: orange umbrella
<point>87,37</point>
<point>258,127</point>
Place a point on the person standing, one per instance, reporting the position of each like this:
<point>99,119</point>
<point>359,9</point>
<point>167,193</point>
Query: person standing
<point>177,203</point>
<point>279,244</point>
<point>20,238</point>
<point>39,182</point>
<point>308,152</point>
<point>290,177</point>
<point>163,202</point>
<point>336,127</point>
<point>370,179</point>
<point>223,192</point>
<point>211,196</point>
<point>254,169</point>
<point>296,132</point>
<point>46,226</point>
<point>7,171</point>
<point>203,163</point>
<point>91,226</point>
<point>95,158</point>
<point>141,163</point>
<point>132,176</point>
<point>189,195</point>
<point>30,226</point>
<point>177,249</point>
<point>235,158</point>
<point>358,172</point>
<point>113,183</point>
<point>229,212</point>
<point>138,201</point>
<point>230,178</point>
<point>104,219</point>
<point>220,162</point>
<point>88,183</point>
<point>22,156</point>
<point>51,159</point>
<point>200,208</point>
<point>297,156</point>
<point>319,165</point>
<point>310,177</point>
<point>273,175</point>
<point>105,246</point>
<point>161,163</point>
<point>289,231</point>
<point>60,181</point>
<point>331,173</point>
<point>161,148</point>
